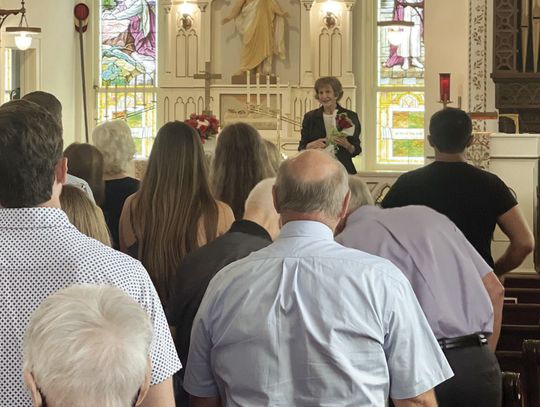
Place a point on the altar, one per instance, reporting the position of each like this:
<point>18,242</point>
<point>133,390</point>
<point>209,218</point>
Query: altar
<point>274,96</point>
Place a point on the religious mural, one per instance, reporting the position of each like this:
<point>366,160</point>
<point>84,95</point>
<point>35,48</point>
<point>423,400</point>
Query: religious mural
<point>400,83</point>
<point>128,42</point>
<point>128,51</point>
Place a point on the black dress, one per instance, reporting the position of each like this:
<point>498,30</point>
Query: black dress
<point>313,129</point>
<point>116,192</point>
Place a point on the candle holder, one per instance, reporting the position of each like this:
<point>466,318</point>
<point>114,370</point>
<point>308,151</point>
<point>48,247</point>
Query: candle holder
<point>444,87</point>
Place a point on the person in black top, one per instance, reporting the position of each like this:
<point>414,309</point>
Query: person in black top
<point>317,124</point>
<point>256,230</point>
<point>114,141</point>
<point>475,200</point>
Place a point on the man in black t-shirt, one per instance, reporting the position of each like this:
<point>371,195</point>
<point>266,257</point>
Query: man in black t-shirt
<point>475,200</point>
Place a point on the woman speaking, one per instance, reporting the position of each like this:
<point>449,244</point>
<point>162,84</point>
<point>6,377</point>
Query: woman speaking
<point>332,127</point>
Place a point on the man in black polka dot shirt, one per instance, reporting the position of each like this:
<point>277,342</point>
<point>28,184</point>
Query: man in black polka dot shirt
<point>41,252</point>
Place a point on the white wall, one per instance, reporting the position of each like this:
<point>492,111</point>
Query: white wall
<point>446,41</point>
<point>60,72</point>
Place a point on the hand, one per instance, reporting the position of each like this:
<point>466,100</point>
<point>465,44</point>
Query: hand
<point>317,144</point>
<point>285,14</point>
<point>226,20</point>
<point>343,142</point>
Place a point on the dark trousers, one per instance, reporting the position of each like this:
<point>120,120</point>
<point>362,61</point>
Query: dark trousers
<point>476,381</point>
<point>181,397</point>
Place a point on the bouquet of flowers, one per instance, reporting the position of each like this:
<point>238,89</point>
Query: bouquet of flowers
<point>344,127</point>
<point>206,125</point>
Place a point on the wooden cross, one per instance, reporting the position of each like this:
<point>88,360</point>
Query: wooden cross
<point>207,76</point>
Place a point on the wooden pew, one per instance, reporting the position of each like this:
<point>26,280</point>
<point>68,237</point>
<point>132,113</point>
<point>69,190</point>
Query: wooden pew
<point>510,360</point>
<point>531,372</point>
<point>521,314</point>
<point>512,336</point>
<point>523,295</point>
<point>511,389</point>
<point>521,281</point>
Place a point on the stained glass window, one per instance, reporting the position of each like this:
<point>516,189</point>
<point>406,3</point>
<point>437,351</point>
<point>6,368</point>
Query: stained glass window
<point>400,83</point>
<point>400,125</point>
<point>128,62</point>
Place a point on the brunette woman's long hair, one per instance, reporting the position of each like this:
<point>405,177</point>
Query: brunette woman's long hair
<point>86,161</point>
<point>239,163</point>
<point>173,200</point>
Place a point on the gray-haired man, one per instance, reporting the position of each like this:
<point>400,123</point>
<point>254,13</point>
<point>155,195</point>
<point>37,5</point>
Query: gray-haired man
<point>459,293</point>
<point>307,322</point>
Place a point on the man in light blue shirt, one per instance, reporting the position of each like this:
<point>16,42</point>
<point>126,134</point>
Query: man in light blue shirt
<point>308,322</point>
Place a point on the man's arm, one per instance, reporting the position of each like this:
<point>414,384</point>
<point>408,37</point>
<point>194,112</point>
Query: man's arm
<point>204,401</point>
<point>160,395</point>
<point>496,294</point>
<point>426,399</point>
<point>514,225</point>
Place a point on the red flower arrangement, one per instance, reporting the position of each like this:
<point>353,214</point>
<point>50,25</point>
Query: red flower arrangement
<point>343,122</point>
<point>206,125</point>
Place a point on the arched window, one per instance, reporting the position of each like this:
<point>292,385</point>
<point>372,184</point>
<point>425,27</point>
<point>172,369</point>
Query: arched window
<point>127,77</point>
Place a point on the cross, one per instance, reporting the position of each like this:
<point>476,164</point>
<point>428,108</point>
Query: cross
<point>207,76</point>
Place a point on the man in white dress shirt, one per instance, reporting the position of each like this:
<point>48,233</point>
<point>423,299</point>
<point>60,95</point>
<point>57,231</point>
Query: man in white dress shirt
<point>41,252</point>
<point>308,322</point>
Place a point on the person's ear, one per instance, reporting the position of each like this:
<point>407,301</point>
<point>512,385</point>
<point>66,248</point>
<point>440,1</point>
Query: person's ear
<point>470,141</point>
<point>430,140</point>
<point>275,198</point>
<point>61,170</point>
<point>345,205</point>
<point>143,391</point>
<point>32,387</point>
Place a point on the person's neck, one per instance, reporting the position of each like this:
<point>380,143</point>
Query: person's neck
<point>54,202</point>
<point>268,223</point>
<point>320,217</point>
<point>450,157</point>
<point>109,177</point>
<point>51,203</point>
<point>330,109</point>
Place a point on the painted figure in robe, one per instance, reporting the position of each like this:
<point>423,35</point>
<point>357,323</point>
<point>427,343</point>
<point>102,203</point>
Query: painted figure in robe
<point>408,53</point>
<point>262,26</point>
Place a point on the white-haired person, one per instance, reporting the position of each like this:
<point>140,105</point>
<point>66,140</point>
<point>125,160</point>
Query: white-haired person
<point>114,141</point>
<point>88,345</point>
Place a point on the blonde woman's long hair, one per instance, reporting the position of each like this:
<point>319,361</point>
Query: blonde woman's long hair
<point>240,162</point>
<point>86,216</point>
<point>173,200</point>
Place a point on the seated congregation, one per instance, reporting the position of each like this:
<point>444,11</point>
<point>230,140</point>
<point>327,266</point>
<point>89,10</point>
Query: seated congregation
<point>244,281</point>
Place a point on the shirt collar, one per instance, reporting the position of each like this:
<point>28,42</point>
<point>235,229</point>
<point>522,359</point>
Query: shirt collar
<point>27,218</point>
<point>249,227</point>
<point>363,212</point>
<point>306,228</point>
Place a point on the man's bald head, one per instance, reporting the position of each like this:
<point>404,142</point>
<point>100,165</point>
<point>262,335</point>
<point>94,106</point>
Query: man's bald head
<point>312,182</point>
<point>259,207</point>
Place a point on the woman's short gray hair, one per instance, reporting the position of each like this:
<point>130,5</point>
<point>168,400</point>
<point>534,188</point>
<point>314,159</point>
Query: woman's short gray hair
<point>360,193</point>
<point>326,195</point>
<point>88,345</point>
<point>114,141</point>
